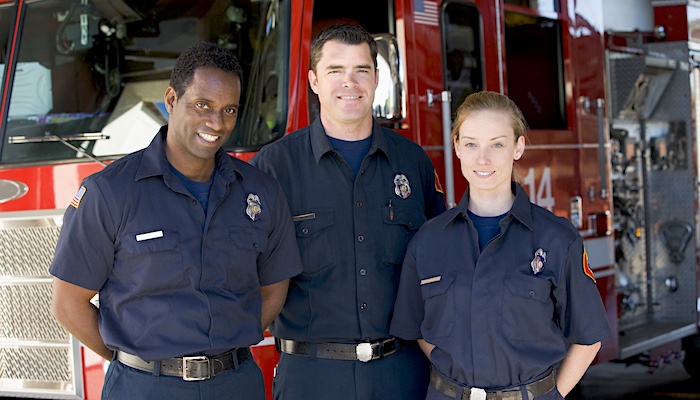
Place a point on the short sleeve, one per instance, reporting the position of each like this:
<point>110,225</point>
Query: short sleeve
<point>580,310</point>
<point>409,308</point>
<point>84,253</point>
<point>281,259</point>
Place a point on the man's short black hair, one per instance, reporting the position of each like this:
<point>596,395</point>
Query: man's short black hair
<point>204,54</point>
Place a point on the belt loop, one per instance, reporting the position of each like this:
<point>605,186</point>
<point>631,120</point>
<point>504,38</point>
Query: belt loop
<point>313,351</point>
<point>234,356</point>
<point>459,393</point>
<point>523,393</point>
<point>156,368</point>
<point>499,395</point>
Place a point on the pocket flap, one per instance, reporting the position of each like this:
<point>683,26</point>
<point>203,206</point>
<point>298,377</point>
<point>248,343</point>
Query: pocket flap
<point>150,241</point>
<point>248,238</point>
<point>431,286</point>
<point>410,218</point>
<point>322,219</point>
<point>529,287</point>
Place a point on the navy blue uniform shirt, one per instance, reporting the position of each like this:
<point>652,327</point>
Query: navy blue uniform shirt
<point>494,322</point>
<point>172,280</point>
<point>352,231</point>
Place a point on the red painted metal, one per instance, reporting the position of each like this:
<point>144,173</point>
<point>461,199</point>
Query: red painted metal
<point>93,373</point>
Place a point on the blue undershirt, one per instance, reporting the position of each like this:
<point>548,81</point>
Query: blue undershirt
<point>352,151</point>
<point>200,190</point>
<point>487,227</point>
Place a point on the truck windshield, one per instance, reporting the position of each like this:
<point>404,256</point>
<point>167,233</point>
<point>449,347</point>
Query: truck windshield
<point>91,74</point>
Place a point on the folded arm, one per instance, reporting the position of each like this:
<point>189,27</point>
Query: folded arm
<point>72,308</point>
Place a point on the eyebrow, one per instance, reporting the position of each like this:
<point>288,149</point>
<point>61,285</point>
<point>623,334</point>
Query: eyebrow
<point>362,66</point>
<point>493,138</point>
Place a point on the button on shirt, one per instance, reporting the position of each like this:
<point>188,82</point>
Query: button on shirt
<point>352,231</point>
<point>175,281</point>
<point>493,321</point>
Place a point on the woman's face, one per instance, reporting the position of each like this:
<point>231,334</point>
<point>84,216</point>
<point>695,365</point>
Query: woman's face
<point>486,148</point>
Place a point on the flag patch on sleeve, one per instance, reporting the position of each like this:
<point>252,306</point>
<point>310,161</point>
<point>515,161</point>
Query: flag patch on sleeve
<point>586,268</point>
<point>78,196</point>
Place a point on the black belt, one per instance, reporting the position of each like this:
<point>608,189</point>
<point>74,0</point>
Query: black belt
<point>195,368</point>
<point>534,389</point>
<point>365,351</point>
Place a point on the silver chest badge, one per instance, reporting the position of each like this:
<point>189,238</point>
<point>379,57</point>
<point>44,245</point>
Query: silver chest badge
<point>254,209</point>
<point>537,263</point>
<point>401,186</point>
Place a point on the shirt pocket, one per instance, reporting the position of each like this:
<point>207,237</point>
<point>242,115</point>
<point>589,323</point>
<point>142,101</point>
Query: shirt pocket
<point>314,233</point>
<point>439,302</point>
<point>401,222</point>
<point>246,243</point>
<point>528,309</point>
<point>153,261</point>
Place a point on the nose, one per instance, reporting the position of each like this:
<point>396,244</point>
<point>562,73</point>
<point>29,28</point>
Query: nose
<point>483,156</point>
<point>349,80</point>
<point>215,121</point>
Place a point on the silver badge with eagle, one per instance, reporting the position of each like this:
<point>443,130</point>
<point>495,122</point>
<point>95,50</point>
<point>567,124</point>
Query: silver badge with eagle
<point>401,186</point>
<point>537,263</point>
<point>254,209</point>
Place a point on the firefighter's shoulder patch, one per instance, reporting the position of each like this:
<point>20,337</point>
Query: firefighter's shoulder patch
<point>78,197</point>
<point>438,186</point>
<point>586,268</point>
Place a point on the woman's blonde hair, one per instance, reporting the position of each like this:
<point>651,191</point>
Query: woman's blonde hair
<point>490,101</point>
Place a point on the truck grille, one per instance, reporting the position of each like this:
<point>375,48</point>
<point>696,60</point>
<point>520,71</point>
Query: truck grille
<point>37,355</point>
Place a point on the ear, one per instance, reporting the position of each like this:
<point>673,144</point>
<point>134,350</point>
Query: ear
<point>170,98</point>
<point>376,78</point>
<point>456,147</point>
<point>313,81</point>
<point>519,148</point>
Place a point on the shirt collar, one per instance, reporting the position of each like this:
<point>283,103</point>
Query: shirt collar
<point>155,163</point>
<point>320,145</point>
<point>520,210</point>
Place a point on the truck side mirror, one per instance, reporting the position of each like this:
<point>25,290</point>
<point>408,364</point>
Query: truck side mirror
<point>389,99</point>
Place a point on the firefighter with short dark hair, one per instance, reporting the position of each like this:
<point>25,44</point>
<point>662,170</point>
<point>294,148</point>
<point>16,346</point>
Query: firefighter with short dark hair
<point>497,290</point>
<point>190,250</point>
<point>358,192</point>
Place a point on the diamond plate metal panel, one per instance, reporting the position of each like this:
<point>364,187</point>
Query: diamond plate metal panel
<point>36,352</point>
<point>623,69</point>
<point>669,188</point>
<point>26,315</point>
<point>36,364</point>
<point>27,251</point>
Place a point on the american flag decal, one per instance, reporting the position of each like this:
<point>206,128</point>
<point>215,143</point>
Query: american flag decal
<point>425,12</point>
<point>78,196</point>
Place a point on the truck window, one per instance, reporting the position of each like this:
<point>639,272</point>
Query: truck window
<point>534,54</point>
<point>461,31</point>
<point>91,74</point>
<point>543,6</point>
<point>7,12</point>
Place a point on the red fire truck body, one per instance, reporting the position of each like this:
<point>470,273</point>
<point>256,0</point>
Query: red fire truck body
<point>612,146</point>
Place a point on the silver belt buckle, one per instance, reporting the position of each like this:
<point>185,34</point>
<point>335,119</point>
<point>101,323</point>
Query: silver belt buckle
<point>477,394</point>
<point>196,363</point>
<point>364,351</point>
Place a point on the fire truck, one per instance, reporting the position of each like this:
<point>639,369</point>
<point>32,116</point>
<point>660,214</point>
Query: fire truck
<point>609,89</point>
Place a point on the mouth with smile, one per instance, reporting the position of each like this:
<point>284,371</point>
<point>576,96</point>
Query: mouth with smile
<point>208,138</point>
<point>483,174</point>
